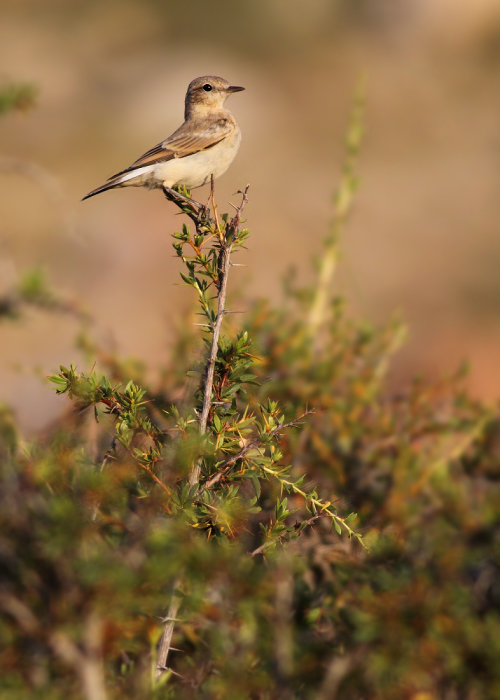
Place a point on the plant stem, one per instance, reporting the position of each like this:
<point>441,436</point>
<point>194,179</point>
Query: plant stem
<point>322,506</point>
<point>226,239</point>
<point>343,204</point>
<point>166,637</point>
<point>224,257</point>
<point>252,444</point>
<point>200,216</point>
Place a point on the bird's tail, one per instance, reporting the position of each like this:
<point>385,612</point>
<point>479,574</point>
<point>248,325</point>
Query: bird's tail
<point>120,180</point>
<point>134,177</point>
<point>108,186</point>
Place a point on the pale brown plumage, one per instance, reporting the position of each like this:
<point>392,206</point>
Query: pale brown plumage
<point>208,126</point>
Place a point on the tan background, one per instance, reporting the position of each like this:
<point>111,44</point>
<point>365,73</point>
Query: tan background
<point>424,237</point>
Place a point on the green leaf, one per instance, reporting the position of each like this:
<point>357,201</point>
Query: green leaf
<point>256,484</point>
<point>57,379</point>
<point>217,423</point>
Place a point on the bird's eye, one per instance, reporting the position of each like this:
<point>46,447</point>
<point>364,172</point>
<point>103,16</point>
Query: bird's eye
<point>207,87</point>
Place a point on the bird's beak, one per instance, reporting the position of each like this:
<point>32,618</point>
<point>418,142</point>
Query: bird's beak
<point>234,88</point>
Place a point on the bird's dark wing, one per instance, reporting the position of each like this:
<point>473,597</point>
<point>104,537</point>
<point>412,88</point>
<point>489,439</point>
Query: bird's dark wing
<point>191,137</point>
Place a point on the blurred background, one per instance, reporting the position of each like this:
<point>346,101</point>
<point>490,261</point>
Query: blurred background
<point>111,75</point>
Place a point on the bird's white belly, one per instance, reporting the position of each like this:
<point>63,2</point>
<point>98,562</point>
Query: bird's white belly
<point>196,170</point>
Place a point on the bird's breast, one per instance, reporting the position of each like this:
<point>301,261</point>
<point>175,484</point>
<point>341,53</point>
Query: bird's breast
<point>196,170</point>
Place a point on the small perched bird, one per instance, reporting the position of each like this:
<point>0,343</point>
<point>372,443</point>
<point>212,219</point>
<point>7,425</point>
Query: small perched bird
<point>204,145</point>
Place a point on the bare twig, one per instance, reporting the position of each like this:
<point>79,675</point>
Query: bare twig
<point>283,634</point>
<point>338,669</point>
<point>166,638</point>
<point>214,207</point>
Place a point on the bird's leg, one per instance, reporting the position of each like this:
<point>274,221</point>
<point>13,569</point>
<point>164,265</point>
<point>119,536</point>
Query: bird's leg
<point>214,206</point>
<point>181,194</point>
<point>211,193</point>
<point>197,212</point>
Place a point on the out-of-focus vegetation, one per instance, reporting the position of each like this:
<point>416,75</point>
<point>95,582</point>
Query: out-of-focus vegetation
<point>17,96</point>
<point>277,601</point>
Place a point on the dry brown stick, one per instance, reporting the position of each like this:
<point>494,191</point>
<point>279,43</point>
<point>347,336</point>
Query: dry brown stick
<point>199,215</point>
<point>339,667</point>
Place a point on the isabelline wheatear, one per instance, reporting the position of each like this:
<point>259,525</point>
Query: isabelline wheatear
<point>204,145</point>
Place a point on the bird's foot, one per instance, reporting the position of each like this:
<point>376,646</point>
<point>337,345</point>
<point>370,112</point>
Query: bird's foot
<point>198,212</point>
<point>182,194</point>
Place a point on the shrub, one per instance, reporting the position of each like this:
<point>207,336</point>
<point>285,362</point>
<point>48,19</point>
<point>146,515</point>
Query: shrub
<point>283,527</point>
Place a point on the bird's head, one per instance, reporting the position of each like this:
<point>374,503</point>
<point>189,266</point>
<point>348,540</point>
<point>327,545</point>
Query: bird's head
<point>207,94</point>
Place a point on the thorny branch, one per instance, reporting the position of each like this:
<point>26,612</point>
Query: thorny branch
<point>226,239</point>
<point>204,222</point>
<point>227,465</point>
<point>302,525</point>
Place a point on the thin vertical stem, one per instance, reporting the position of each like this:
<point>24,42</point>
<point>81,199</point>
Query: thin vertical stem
<point>224,257</point>
<point>200,216</point>
<point>166,637</point>
<point>343,204</point>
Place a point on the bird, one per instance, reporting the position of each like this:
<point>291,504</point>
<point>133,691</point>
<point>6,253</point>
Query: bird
<point>205,145</point>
